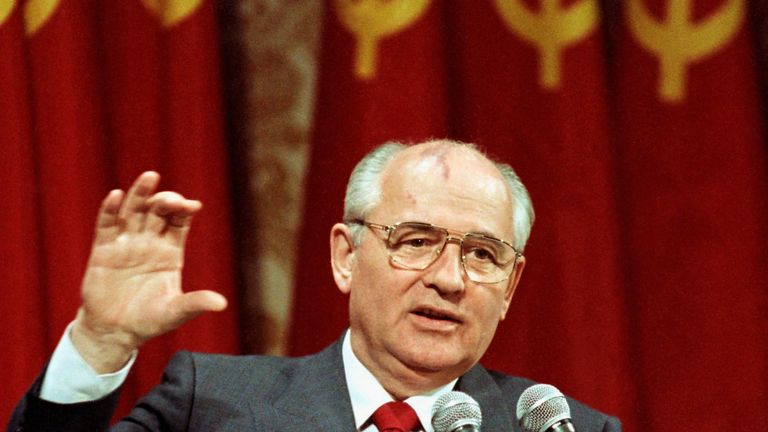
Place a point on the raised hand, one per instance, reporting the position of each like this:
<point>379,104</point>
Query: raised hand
<point>132,285</point>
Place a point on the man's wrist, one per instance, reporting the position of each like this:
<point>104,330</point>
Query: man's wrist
<point>70,379</point>
<point>104,353</point>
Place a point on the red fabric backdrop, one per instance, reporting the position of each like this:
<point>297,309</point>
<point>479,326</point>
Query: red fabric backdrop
<point>91,94</point>
<point>638,129</point>
<point>637,125</point>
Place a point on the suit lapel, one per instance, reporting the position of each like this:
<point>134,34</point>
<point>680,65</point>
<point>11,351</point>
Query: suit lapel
<point>317,394</point>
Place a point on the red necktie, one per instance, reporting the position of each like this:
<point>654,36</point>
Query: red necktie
<point>396,417</point>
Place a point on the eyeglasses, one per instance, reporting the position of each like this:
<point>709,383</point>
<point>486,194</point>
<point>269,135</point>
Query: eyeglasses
<point>416,245</point>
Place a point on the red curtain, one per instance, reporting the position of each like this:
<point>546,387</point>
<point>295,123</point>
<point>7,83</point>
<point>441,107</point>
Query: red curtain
<point>92,94</point>
<point>638,127</point>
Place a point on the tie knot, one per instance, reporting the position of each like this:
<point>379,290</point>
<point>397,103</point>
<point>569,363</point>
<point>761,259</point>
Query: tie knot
<point>396,417</point>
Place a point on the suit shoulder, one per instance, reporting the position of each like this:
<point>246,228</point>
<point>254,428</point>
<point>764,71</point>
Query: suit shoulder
<point>258,375</point>
<point>223,363</point>
<point>584,417</point>
<point>239,367</point>
<point>509,384</point>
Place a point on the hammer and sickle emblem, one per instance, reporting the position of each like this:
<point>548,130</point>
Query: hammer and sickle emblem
<point>372,20</point>
<point>170,12</point>
<point>550,30</point>
<point>37,13</point>
<point>6,7</point>
<point>678,41</point>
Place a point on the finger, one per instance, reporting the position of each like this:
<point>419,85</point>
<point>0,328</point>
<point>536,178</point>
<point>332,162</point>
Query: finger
<point>163,206</point>
<point>107,226</point>
<point>180,222</point>
<point>192,304</point>
<point>134,209</point>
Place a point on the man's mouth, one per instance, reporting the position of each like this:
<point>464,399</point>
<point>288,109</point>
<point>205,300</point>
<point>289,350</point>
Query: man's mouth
<point>435,314</point>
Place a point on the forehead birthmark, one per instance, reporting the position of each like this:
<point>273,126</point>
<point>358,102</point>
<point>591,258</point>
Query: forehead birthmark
<point>439,155</point>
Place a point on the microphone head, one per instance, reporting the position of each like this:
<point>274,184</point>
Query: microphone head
<point>540,406</point>
<point>454,410</point>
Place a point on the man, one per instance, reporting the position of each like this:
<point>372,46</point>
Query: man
<point>430,254</point>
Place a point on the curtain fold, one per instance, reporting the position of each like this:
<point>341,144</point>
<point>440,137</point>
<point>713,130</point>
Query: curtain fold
<point>639,129</point>
<point>693,174</point>
<point>92,95</point>
<point>21,262</point>
<point>638,126</point>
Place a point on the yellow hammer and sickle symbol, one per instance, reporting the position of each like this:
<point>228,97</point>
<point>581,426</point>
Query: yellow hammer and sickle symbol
<point>371,20</point>
<point>37,13</point>
<point>678,41</point>
<point>170,12</point>
<point>551,30</point>
<point>5,10</point>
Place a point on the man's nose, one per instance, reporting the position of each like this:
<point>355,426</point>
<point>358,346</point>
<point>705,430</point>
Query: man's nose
<point>446,274</point>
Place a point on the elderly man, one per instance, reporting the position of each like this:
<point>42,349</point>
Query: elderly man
<point>429,252</point>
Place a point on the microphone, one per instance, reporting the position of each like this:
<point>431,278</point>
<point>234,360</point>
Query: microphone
<point>456,412</point>
<point>542,408</point>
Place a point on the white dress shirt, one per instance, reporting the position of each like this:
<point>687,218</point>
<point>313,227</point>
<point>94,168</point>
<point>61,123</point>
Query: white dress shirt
<point>367,395</point>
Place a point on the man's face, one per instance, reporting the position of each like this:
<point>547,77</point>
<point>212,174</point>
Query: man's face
<point>435,323</point>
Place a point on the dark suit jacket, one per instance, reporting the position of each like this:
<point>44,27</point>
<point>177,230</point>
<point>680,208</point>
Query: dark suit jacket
<point>203,392</point>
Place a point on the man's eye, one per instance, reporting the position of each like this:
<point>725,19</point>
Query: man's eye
<point>482,255</point>
<point>415,242</point>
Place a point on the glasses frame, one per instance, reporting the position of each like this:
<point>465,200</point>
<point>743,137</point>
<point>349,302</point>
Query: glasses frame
<point>389,229</point>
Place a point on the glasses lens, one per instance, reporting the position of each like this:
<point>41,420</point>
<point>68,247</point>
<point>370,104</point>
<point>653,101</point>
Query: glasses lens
<point>415,245</point>
<point>487,260</point>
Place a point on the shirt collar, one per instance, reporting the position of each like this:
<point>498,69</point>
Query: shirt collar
<point>367,394</point>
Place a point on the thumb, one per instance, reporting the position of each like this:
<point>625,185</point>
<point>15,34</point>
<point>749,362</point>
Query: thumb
<point>192,304</point>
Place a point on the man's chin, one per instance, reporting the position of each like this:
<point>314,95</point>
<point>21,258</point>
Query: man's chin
<point>436,362</point>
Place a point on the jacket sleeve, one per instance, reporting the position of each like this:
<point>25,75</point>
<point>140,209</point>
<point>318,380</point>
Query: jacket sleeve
<point>33,414</point>
<point>167,407</point>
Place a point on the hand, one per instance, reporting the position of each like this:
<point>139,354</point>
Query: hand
<point>131,290</point>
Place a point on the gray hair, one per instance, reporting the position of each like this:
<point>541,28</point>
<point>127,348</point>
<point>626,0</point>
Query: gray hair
<point>364,190</point>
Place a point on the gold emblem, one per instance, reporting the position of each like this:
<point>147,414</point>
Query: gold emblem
<point>678,41</point>
<point>6,6</point>
<point>170,12</point>
<point>551,30</point>
<point>37,13</point>
<point>371,20</point>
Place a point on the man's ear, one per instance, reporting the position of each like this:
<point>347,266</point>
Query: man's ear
<point>342,256</point>
<point>512,282</point>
